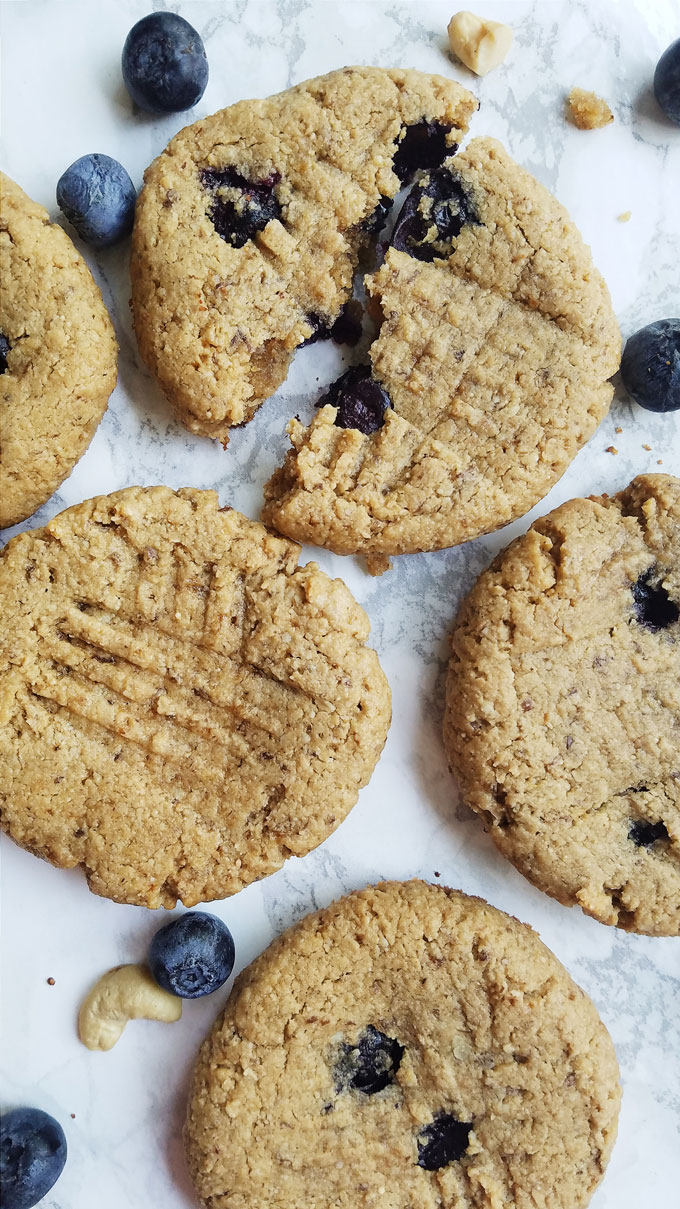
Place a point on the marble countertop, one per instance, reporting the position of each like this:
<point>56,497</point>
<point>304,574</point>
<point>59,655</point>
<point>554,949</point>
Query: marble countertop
<point>62,97</point>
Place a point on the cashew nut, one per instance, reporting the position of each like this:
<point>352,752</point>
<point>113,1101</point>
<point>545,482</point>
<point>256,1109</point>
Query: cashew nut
<point>124,993</point>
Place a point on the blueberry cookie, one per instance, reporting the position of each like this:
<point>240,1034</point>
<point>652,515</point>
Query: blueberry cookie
<point>563,704</point>
<point>57,355</point>
<point>489,372</point>
<point>250,225</point>
<point>181,706</point>
<point>407,1047</point>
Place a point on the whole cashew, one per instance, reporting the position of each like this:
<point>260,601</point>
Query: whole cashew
<point>124,993</point>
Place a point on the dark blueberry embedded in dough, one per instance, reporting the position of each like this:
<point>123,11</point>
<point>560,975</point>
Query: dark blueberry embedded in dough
<point>442,1142</point>
<point>375,222</point>
<point>645,834</point>
<point>652,606</point>
<point>239,208</point>
<point>4,351</point>
<point>345,330</point>
<point>433,216</point>
<point>422,145</point>
<point>370,1065</point>
<point>360,399</point>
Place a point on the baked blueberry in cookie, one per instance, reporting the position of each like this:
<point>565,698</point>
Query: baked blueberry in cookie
<point>424,145</point>
<point>645,834</point>
<point>239,208</point>
<point>360,399</point>
<point>485,1071</point>
<point>652,606</point>
<point>433,215</point>
<point>443,1142</point>
<point>4,352</point>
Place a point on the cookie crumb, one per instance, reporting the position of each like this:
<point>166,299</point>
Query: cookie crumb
<point>648,448</point>
<point>659,461</point>
<point>611,449</point>
<point>626,216</point>
<point>377,564</point>
<point>437,873</point>
<point>479,44</point>
<point>618,430</point>
<point>587,111</point>
<point>73,1116</point>
<point>50,982</point>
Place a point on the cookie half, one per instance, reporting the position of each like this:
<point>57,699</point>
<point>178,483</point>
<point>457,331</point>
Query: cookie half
<point>250,224</point>
<point>58,355</point>
<point>563,704</point>
<point>181,706</point>
<point>497,339</point>
<point>408,1046</point>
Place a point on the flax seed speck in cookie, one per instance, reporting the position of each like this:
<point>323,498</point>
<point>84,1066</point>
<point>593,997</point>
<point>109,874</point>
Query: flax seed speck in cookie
<point>563,714</point>
<point>409,1046</point>
<point>181,706</point>
<point>57,355</point>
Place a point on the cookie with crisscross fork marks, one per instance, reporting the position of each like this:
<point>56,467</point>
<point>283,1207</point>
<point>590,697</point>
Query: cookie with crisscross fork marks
<point>496,343</point>
<point>181,706</point>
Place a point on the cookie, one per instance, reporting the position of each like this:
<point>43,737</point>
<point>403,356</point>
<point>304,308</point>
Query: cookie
<point>181,706</point>
<point>563,704</point>
<point>250,225</point>
<point>58,355</point>
<point>409,1046</point>
<point>496,340</point>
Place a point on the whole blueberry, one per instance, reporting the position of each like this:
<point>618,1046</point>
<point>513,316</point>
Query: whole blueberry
<point>650,366</point>
<point>164,64</point>
<point>32,1156</point>
<point>667,81</point>
<point>98,198</point>
<point>193,955</point>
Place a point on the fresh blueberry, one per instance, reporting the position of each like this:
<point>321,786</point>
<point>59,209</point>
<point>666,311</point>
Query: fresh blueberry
<point>370,1065</point>
<point>32,1156</point>
<point>433,216</point>
<point>164,64</point>
<point>98,198</point>
<point>193,955</point>
<point>650,366</point>
<point>360,399</point>
<point>645,834</point>
<point>442,1142</point>
<point>239,208</point>
<point>423,145</point>
<point>652,606</point>
<point>4,352</point>
<point>667,81</point>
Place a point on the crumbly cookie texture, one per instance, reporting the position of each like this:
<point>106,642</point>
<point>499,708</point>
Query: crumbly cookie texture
<point>480,44</point>
<point>249,227</point>
<point>495,352</point>
<point>408,1046</point>
<point>59,350</point>
<point>587,111</point>
<point>181,706</point>
<point>563,704</point>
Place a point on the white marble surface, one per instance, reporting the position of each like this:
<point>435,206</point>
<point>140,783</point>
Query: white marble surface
<point>63,96</point>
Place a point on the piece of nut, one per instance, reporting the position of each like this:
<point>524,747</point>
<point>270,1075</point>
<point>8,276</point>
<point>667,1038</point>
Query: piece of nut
<point>124,993</point>
<point>478,43</point>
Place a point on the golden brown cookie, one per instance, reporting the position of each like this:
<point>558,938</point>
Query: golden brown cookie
<point>490,371</point>
<point>407,1047</point>
<point>57,355</point>
<point>249,227</point>
<point>181,706</point>
<point>563,704</point>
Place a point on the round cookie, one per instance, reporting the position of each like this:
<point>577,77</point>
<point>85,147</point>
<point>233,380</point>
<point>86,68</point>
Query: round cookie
<point>496,340</point>
<point>181,706</point>
<point>250,224</point>
<point>563,704</point>
<point>58,355</point>
<point>408,1046</point>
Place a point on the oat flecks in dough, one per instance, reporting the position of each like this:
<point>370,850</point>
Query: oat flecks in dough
<point>496,360</point>
<point>60,352</point>
<point>483,1048</point>
<point>587,111</point>
<point>563,710</point>
<point>250,224</point>
<point>480,44</point>
<point>181,706</point>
